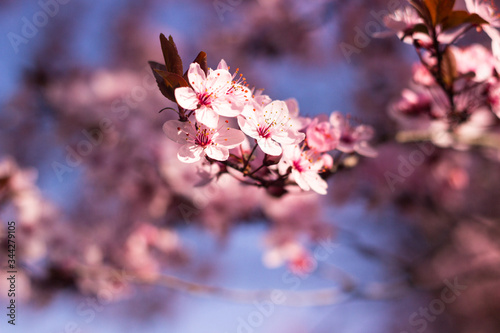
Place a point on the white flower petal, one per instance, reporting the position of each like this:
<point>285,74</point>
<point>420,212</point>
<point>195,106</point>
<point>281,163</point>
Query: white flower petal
<point>197,78</point>
<point>189,153</point>
<point>317,184</point>
<point>337,119</point>
<point>218,153</point>
<point>186,98</point>
<point>207,117</point>
<point>364,149</point>
<point>299,179</point>
<point>227,107</point>
<point>223,65</point>
<point>248,128</point>
<point>177,130</point>
<point>219,82</point>
<point>288,137</point>
<point>277,107</point>
<point>230,137</point>
<point>269,146</point>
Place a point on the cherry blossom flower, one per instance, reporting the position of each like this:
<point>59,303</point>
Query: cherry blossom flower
<point>422,76</point>
<point>305,166</point>
<point>298,122</point>
<point>415,109</point>
<point>238,90</point>
<point>322,136</point>
<point>401,22</point>
<point>352,139</point>
<point>199,140</point>
<point>486,10</point>
<point>474,59</point>
<point>208,95</point>
<point>260,98</point>
<point>270,126</point>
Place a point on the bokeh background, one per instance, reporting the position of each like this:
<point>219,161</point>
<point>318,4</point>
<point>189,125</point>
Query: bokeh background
<point>114,234</point>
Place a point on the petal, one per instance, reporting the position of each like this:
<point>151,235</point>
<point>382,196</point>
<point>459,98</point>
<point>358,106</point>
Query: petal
<point>218,83</point>
<point>177,130</point>
<point>197,77</point>
<point>189,153</point>
<point>269,146</point>
<point>364,149</point>
<point>248,127</point>
<point>218,153</point>
<point>293,107</point>
<point>250,110</point>
<point>288,137</point>
<point>345,147</point>
<point>317,184</point>
<point>186,98</point>
<point>337,119</point>
<point>230,137</point>
<point>327,161</point>
<point>291,152</point>
<point>469,4</point>
<point>299,179</point>
<point>363,132</point>
<point>300,123</point>
<point>223,65</point>
<point>277,107</point>
<point>207,117</point>
<point>226,107</point>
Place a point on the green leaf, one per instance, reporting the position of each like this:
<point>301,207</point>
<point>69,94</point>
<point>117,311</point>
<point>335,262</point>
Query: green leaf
<point>459,17</point>
<point>173,61</point>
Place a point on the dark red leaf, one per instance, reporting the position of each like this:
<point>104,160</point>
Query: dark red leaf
<point>459,17</point>
<point>173,61</point>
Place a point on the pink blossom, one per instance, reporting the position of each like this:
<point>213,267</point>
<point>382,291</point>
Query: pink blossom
<point>474,59</point>
<point>208,95</point>
<point>422,76</point>
<point>260,98</point>
<point>327,161</point>
<point>305,167</point>
<point>322,136</point>
<point>270,126</point>
<point>199,139</point>
<point>298,122</point>
<point>415,109</point>
<point>402,21</point>
<point>238,91</point>
<point>352,139</point>
<point>487,12</point>
<point>484,9</point>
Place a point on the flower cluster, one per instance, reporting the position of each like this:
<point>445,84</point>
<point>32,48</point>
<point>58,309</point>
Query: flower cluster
<point>454,99</point>
<point>247,133</point>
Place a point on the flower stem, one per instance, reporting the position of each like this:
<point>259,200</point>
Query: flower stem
<point>249,157</point>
